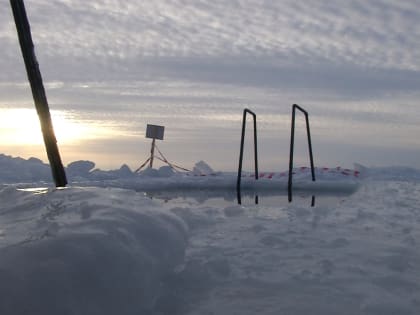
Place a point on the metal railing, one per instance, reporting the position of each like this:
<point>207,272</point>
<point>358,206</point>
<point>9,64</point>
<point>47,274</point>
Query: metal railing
<point>241,153</point>
<point>292,143</point>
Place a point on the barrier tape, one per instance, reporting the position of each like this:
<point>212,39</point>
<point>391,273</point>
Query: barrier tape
<point>163,159</point>
<point>143,165</point>
<point>173,166</point>
<point>271,175</point>
<point>303,169</point>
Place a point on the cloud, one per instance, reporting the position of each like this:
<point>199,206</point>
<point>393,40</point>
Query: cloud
<point>350,44</point>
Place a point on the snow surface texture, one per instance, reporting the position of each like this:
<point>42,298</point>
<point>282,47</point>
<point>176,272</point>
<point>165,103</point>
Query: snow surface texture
<point>102,250</point>
<point>85,251</point>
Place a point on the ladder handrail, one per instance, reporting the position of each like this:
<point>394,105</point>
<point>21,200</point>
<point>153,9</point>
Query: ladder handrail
<point>241,153</point>
<point>292,142</point>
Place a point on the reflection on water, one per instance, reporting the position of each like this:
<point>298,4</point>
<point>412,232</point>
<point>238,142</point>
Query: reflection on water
<point>36,190</point>
<point>305,199</point>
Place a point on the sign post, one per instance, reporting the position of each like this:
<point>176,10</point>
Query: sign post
<point>154,132</point>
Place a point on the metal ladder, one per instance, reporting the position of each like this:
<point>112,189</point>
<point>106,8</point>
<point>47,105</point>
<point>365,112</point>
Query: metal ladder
<point>292,142</point>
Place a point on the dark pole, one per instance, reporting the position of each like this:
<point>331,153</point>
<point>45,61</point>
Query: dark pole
<point>38,91</point>
<point>241,152</point>
<point>311,157</point>
<point>241,155</point>
<point>255,148</point>
<point>292,143</point>
<point>152,153</point>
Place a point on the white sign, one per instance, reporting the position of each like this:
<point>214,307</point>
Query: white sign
<point>155,132</point>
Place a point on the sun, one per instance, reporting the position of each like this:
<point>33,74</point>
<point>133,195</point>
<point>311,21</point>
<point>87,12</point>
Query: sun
<point>21,126</point>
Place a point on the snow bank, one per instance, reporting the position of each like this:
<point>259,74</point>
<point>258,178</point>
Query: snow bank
<point>33,171</point>
<point>202,179</point>
<point>85,251</point>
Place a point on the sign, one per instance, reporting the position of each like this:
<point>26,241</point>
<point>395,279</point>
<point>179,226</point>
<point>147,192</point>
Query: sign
<point>155,132</point>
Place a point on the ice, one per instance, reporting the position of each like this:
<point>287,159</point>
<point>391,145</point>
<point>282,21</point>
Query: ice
<point>202,168</point>
<point>16,169</point>
<point>163,242</point>
<point>85,251</point>
<point>164,171</point>
<point>81,168</point>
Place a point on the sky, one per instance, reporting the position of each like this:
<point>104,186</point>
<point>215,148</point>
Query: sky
<point>111,66</point>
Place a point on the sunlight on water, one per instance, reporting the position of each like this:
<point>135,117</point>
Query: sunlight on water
<point>37,190</point>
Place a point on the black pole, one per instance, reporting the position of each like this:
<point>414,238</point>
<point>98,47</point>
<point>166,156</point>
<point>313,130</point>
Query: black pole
<point>38,91</point>
<point>241,152</point>
<point>310,146</point>
<point>292,142</point>
<point>255,153</point>
<point>255,147</point>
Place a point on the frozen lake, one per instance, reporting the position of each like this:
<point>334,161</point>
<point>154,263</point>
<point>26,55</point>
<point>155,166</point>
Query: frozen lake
<point>197,253</point>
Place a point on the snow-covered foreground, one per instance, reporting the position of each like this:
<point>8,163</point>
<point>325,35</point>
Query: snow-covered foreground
<point>103,250</point>
<point>85,251</point>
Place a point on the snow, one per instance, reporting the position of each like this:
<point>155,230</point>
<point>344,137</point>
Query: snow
<point>161,242</point>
